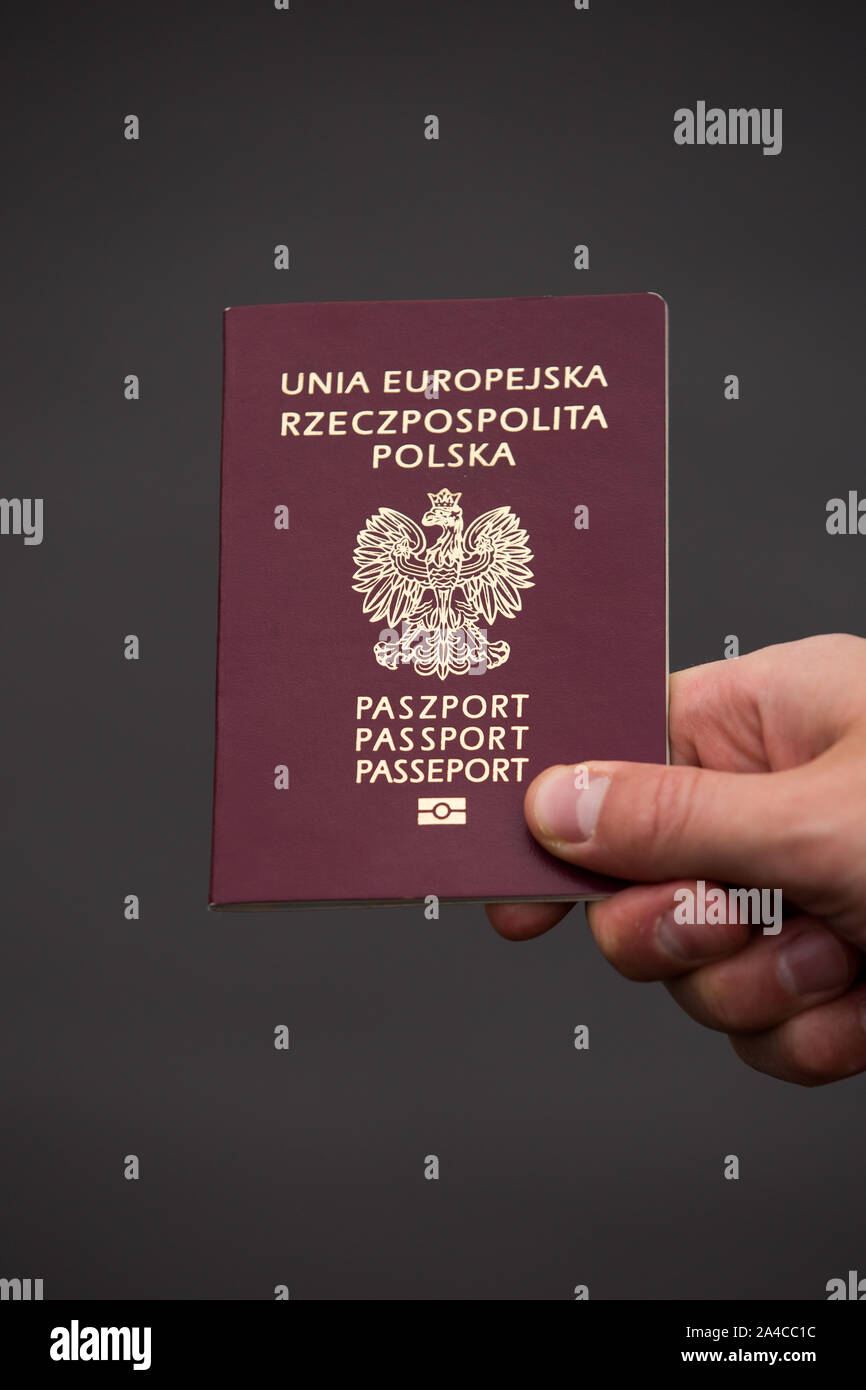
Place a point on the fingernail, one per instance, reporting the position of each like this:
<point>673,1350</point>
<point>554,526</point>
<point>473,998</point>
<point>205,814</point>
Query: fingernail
<point>690,940</point>
<point>567,803</point>
<point>812,963</point>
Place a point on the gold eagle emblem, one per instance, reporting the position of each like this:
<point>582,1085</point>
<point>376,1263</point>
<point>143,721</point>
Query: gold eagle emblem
<point>440,592</point>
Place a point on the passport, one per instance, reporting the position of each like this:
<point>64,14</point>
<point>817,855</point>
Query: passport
<point>442,568</point>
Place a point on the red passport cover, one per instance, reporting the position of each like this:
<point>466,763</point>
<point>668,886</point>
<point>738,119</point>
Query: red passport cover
<point>443,567</point>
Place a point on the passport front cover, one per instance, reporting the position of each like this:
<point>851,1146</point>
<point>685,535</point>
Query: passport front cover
<point>443,568</point>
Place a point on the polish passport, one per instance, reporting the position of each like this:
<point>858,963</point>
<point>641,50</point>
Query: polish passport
<point>443,568</point>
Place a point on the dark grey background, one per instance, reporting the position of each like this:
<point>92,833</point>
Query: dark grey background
<point>408,1037</point>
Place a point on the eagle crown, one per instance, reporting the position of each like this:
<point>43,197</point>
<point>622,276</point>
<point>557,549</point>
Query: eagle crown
<point>444,509</point>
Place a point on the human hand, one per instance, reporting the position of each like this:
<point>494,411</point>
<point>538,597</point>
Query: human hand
<point>767,789</point>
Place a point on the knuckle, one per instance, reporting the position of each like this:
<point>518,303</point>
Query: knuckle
<point>706,1000</point>
<point>667,808</point>
<point>719,1003</point>
<point>618,935</point>
<point>790,1062</point>
<point>826,1044</point>
<point>821,843</point>
<point>814,1055</point>
<point>612,939</point>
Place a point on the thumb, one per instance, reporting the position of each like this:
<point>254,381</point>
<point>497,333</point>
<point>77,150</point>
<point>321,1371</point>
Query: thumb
<point>654,823</point>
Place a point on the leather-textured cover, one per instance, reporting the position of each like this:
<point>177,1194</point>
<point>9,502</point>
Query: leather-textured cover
<point>357,759</point>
